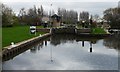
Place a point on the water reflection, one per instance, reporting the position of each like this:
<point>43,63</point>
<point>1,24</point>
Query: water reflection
<point>90,46</point>
<point>37,47</point>
<point>45,43</point>
<point>113,42</point>
<point>65,52</point>
<point>51,58</point>
<point>58,39</point>
<point>82,43</point>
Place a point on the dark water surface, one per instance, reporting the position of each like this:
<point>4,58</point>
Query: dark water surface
<point>68,52</point>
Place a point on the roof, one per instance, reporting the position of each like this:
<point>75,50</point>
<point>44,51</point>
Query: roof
<point>55,15</point>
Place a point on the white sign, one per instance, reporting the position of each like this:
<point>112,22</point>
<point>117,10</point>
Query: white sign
<point>33,29</point>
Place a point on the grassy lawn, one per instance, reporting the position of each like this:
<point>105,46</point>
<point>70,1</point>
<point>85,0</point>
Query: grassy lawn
<point>0,39</point>
<point>16,34</point>
<point>39,26</point>
<point>98,31</point>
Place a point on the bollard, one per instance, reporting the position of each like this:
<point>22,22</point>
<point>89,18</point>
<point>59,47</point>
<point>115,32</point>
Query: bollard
<point>12,44</point>
<point>40,35</point>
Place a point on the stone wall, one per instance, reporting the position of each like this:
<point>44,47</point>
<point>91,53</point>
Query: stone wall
<point>47,30</point>
<point>79,31</point>
<point>63,30</point>
<point>10,50</point>
<point>70,30</point>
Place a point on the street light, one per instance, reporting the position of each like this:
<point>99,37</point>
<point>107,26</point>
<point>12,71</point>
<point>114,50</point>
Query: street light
<point>62,19</point>
<point>50,13</point>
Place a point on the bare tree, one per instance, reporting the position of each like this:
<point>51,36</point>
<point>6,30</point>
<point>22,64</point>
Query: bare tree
<point>22,15</point>
<point>68,16</point>
<point>84,16</point>
<point>32,15</point>
<point>96,17</point>
<point>42,11</point>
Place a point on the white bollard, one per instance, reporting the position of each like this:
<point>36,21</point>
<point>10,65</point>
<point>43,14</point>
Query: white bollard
<point>12,44</point>
<point>40,35</point>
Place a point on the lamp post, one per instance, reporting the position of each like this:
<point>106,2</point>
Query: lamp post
<point>50,14</point>
<point>62,19</point>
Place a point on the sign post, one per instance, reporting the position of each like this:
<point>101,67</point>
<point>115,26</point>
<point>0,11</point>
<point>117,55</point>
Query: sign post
<point>33,30</point>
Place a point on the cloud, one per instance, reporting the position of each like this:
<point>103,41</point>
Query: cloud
<point>92,7</point>
<point>60,1</point>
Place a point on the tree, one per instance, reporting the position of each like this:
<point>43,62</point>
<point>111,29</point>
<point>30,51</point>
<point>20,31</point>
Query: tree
<point>96,17</point>
<point>68,16</point>
<point>59,11</point>
<point>22,16</point>
<point>32,16</point>
<point>7,16</point>
<point>40,14</point>
<point>112,15</point>
<point>84,16</point>
<point>42,11</point>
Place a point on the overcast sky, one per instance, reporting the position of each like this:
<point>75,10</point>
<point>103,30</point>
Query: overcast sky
<point>92,6</point>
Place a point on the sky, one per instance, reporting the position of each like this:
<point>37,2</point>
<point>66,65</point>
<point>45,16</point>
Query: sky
<point>92,6</point>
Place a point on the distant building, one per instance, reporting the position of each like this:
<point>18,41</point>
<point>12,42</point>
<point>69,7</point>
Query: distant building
<point>55,19</point>
<point>45,19</point>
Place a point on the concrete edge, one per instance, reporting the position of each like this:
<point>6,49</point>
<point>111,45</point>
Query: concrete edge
<point>26,42</point>
<point>22,42</point>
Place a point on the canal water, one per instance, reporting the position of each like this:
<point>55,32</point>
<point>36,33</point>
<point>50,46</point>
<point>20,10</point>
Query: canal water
<point>68,52</point>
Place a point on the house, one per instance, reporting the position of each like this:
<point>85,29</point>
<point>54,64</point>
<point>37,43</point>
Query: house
<point>55,20</point>
<point>45,19</point>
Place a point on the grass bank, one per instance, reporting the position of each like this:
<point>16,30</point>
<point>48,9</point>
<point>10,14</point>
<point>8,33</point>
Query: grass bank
<point>16,34</point>
<point>98,31</point>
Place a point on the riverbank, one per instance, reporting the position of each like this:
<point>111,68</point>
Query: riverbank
<point>21,33</point>
<point>17,47</point>
<point>88,32</point>
<point>17,34</point>
<point>12,50</point>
